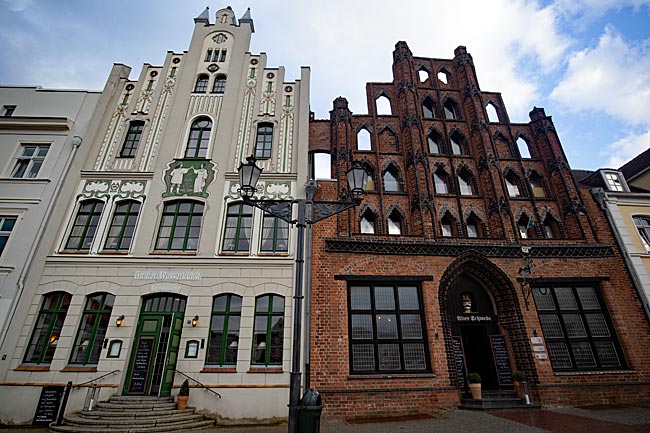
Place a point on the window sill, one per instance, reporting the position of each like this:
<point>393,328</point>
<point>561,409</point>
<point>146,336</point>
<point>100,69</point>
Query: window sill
<point>174,253</point>
<point>238,254</point>
<point>72,369</point>
<point>269,254</point>
<point>126,157</point>
<point>114,253</point>
<point>218,370</point>
<point>384,376</point>
<point>80,252</point>
<point>32,368</point>
<point>274,370</point>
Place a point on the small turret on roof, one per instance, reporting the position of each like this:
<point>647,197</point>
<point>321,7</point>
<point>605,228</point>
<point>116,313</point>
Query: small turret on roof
<point>204,17</point>
<point>246,18</point>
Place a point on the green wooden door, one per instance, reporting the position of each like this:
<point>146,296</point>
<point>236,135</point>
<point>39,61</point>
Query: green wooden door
<point>154,354</point>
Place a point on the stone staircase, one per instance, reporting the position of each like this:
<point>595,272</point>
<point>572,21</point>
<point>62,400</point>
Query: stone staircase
<point>496,400</point>
<point>127,414</point>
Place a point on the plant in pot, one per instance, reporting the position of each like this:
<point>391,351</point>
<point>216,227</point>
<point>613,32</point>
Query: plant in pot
<point>519,378</point>
<point>183,395</point>
<point>474,380</point>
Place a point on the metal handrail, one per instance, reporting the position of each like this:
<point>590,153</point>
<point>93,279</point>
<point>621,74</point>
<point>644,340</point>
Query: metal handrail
<point>202,386</point>
<point>95,379</point>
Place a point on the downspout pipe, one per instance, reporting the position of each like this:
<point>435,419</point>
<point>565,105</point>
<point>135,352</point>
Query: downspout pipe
<point>601,198</point>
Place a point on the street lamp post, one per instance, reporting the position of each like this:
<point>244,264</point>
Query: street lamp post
<point>309,212</point>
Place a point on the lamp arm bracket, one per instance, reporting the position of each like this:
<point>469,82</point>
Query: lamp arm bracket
<point>278,208</point>
<point>326,209</point>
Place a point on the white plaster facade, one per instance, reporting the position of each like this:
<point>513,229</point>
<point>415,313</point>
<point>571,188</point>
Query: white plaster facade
<point>166,102</point>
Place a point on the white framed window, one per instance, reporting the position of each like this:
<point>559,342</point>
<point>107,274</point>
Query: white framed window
<point>7,224</point>
<point>614,181</point>
<point>30,160</point>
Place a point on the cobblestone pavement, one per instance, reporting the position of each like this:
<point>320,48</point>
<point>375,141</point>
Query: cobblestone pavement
<point>589,419</point>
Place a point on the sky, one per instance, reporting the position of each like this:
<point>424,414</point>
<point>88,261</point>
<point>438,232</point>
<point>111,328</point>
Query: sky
<point>587,62</point>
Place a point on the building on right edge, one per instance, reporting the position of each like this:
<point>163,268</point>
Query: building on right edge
<point>473,251</point>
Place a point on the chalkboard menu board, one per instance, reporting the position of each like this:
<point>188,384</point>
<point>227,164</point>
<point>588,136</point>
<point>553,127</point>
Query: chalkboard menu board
<point>459,357</point>
<point>48,405</point>
<point>501,360</point>
<point>140,369</point>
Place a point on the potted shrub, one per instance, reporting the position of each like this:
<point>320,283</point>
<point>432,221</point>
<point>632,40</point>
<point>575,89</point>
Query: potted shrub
<point>183,395</point>
<point>519,378</point>
<point>474,380</point>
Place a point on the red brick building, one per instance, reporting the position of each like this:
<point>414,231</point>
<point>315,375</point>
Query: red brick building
<point>474,250</point>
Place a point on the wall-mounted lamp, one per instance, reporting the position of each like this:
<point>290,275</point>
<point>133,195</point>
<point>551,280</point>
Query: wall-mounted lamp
<point>119,321</point>
<point>195,321</point>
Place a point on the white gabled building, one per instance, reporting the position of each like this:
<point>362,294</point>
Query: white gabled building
<point>153,236</point>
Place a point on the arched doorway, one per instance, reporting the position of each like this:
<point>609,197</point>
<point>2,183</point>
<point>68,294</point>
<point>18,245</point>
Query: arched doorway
<point>473,324</point>
<point>155,350</point>
<point>487,334</point>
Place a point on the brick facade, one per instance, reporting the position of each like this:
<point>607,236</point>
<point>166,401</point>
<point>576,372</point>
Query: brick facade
<point>567,238</point>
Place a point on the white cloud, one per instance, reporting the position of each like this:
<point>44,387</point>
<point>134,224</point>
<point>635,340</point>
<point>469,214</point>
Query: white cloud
<point>627,148</point>
<point>613,77</point>
<point>17,5</point>
<point>595,8</point>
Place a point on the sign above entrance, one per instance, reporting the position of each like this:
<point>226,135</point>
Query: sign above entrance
<point>476,318</point>
<point>168,275</point>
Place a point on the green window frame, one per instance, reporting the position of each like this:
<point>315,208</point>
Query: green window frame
<point>85,225</point>
<point>268,331</point>
<point>47,330</point>
<point>201,85</point>
<point>225,321</point>
<point>577,328</point>
<point>120,233</point>
<point>275,235</point>
<point>199,138</point>
<point>7,224</point>
<point>180,226</point>
<point>219,85</point>
<point>132,139</point>
<point>29,163</point>
<point>92,329</point>
<point>237,233</point>
<point>264,141</point>
<point>387,329</point>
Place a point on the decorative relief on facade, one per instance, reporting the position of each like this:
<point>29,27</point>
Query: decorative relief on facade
<point>205,104</point>
<point>265,190</point>
<point>267,104</point>
<point>189,178</point>
<point>113,132</point>
<point>246,116</point>
<point>146,95</point>
<point>103,188</point>
<point>285,149</point>
<point>158,121</point>
<point>219,38</point>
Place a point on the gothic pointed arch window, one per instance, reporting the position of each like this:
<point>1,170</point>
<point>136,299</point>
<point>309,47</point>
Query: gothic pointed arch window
<point>428,108</point>
<point>382,105</point>
<point>199,138</point>
<point>526,224</point>
<point>434,142</point>
<point>423,75</point>
<point>457,141</point>
<point>363,139</point>
<point>394,223</point>
<point>492,112</point>
<point>201,85</point>
<point>451,110</point>
<point>474,226</point>
<point>448,225</point>
<point>512,184</point>
<point>524,148</point>
<point>441,181</point>
<point>537,185</point>
<point>367,222</point>
<point>466,182</point>
<point>391,179</point>
<point>551,227</point>
<point>443,77</point>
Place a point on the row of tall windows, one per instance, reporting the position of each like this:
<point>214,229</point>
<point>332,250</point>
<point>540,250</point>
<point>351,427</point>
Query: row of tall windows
<point>203,82</point>
<point>198,142</point>
<point>223,333</point>
<point>215,55</point>
<point>179,229</point>
<point>387,329</point>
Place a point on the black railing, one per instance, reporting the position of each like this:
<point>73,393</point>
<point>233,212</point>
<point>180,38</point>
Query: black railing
<point>69,386</point>
<point>200,384</point>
